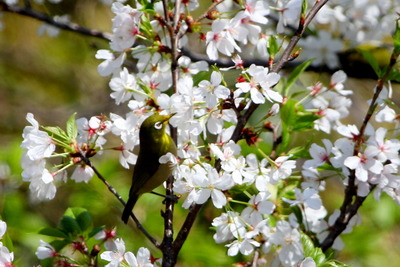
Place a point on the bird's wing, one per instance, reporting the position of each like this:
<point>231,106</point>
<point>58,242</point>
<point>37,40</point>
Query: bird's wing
<point>143,174</point>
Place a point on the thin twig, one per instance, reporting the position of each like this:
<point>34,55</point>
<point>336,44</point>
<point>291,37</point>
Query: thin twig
<point>205,14</point>
<point>115,193</point>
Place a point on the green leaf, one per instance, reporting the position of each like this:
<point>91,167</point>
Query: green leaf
<point>373,62</point>
<point>304,7</point>
<point>294,75</point>
<point>273,46</point>
<point>53,232</point>
<point>70,225</point>
<point>247,149</point>
<point>296,118</point>
<point>394,75</point>
<point>311,251</point>
<point>301,151</point>
<point>84,220</point>
<point>287,112</point>
<point>56,132</point>
<point>202,75</point>
<point>7,242</point>
<point>72,129</point>
<point>305,121</point>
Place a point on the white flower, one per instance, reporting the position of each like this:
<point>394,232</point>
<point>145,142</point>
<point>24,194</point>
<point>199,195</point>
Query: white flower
<point>6,257</point>
<point>245,246</point>
<point>288,238</point>
<point>38,144</point>
<point>82,173</point>
<point>308,197</point>
<point>124,86</point>
<point>127,128</point>
<point>3,228</point>
<point>213,90</point>
<point>126,157</point>
<point>45,250</point>
<point>288,13</point>
<point>218,39</point>
<point>116,254</point>
<point>319,155</point>
<point>384,149</point>
<point>203,183</point>
<point>386,114</point>
<point>337,83</point>
<point>42,185</point>
<point>228,226</point>
<point>364,163</point>
<point>282,168</point>
<point>227,155</point>
<point>308,262</point>
<point>126,25</point>
<point>142,258</point>
<point>256,11</point>
<point>192,68</point>
<point>111,63</point>
<point>259,206</point>
<point>386,180</point>
<point>260,85</point>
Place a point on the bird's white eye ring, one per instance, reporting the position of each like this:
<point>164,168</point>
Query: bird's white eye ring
<point>158,125</point>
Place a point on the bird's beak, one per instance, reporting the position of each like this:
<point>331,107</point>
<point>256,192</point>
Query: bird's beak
<point>167,117</point>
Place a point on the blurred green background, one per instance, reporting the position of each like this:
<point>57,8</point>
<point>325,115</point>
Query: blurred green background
<point>54,77</point>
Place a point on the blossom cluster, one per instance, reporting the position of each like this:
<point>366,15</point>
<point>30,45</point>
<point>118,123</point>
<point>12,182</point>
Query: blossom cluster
<point>114,253</point>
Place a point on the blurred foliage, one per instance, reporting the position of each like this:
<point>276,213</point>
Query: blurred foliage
<point>53,78</point>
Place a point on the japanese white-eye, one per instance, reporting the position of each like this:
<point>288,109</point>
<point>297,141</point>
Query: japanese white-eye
<point>148,172</point>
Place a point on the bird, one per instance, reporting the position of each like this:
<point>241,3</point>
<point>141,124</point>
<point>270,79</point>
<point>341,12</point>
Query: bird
<point>148,172</point>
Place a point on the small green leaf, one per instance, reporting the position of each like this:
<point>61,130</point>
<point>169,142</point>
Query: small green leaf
<point>288,112</point>
<point>394,75</point>
<point>247,149</point>
<point>72,130</point>
<point>294,75</point>
<point>304,7</point>
<point>84,220</point>
<point>202,75</point>
<point>7,242</point>
<point>305,122</point>
<point>311,251</point>
<point>70,225</point>
<point>273,46</point>
<point>53,232</point>
<point>56,132</point>
<point>373,62</point>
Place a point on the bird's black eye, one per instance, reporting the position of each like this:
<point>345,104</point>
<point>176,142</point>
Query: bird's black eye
<point>158,125</point>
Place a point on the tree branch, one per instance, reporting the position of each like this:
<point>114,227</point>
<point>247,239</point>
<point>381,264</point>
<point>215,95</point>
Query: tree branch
<point>69,26</point>
<point>352,202</point>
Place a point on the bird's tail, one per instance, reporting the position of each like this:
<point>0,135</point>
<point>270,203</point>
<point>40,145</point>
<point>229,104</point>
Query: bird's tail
<point>128,207</point>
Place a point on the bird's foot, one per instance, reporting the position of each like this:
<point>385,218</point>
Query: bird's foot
<point>173,198</point>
